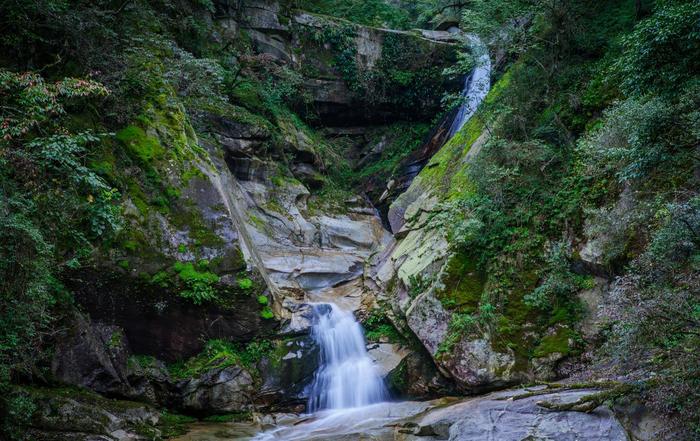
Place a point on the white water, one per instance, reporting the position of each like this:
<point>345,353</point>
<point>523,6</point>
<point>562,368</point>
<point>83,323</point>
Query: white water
<point>346,376</point>
<point>476,85</point>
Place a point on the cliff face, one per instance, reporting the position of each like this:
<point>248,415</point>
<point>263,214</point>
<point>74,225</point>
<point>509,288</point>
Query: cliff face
<point>170,218</point>
<point>233,223</point>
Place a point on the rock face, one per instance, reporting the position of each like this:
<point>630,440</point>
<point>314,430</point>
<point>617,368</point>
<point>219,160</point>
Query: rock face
<point>505,416</point>
<point>147,315</point>
<point>287,373</point>
<point>99,357</point>
<point>239,208</point>
<point>228,389</point>
<point>87,417</point>
<point>417,378</point>
<point>93,356</point>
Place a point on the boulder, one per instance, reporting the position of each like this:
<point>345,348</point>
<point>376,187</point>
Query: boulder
<point>476,366</point>
<point>512,416</point>
<point>286,373</point>
<point>93,356</point>
<point>387,356</point>
<point>228,389</point>
<point>82,416</point>
<point>417,378</point>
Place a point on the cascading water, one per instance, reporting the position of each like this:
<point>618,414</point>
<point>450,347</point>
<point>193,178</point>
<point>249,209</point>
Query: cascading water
<point>476,85</point>
<point>346,376</point>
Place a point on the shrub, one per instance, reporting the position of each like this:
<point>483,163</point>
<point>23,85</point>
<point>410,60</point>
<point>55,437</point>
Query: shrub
<point>199,285</point>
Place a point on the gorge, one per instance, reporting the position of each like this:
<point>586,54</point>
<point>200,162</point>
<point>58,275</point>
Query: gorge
<point>349,219</point>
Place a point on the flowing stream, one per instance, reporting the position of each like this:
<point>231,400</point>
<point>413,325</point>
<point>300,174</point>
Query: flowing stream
<point>347,393</point>
<point>346,376</point>
<point>476,84</point>
<point>348,396</point>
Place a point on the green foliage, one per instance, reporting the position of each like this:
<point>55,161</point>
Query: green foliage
<point>560,284</point>
<point>219,354</point>
<point>198,283</point>
<point>263,300</point>
<point>367,12</point>
<point>16,410</point>
<point>267,313</point>
<point>245,283</point>
<point>461,325</point>
<point>53,209</point>
<point>378,327</point>
<point>144,147</point>
<point>402,139</point>
<point>661,54</point>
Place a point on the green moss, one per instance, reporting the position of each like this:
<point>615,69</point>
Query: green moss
<point>124,264</point>
<point>245,283</point>
<point>189,274</point>
<point>191,173</point>
<point>219,354</point>
<point>557,343</point>
<point>247,94</point>
<point>198,285</point>
<point>115,340</point>
<point>138,197</point>
<point>130,245</point>
<point>267,313</point>
<point>161,278</point>
<point>142,361</point>
<point>464,284</point>
<point>144,147</point>
<point>191,219</point>
<point>263,300</point>
<point>378,327</point>
<point>172,425</point>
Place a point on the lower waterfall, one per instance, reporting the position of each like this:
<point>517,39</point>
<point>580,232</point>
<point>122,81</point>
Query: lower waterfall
<point>346,376</point>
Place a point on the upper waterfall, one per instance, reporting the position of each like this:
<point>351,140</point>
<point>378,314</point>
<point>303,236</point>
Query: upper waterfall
<point>476,85</point>
<point>346,376</point>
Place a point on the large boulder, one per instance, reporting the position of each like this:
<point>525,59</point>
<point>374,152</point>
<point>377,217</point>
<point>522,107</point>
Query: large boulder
<point>286,374</point>
<point>513,416</point>
<point>228,389</point>
<point>65,414</point>
<point>93,356</point>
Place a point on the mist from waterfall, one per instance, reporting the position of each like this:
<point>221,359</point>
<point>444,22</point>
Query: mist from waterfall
<point>476,85</point>
<point>347,376</point>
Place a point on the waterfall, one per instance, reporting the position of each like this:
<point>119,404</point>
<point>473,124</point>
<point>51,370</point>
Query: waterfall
<point>346,376</point>
<point>476,85</point>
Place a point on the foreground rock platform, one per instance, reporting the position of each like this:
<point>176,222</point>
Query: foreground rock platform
<point>512,415</point>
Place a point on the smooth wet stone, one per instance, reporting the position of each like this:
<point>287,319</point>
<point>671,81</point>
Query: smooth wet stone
<point>498,416</point>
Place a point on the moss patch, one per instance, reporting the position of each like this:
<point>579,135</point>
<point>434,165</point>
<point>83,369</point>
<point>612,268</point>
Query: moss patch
<point>142,146</point>
<point>557,343</point>
<point>464,284</point>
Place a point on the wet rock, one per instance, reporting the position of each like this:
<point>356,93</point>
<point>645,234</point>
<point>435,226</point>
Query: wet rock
<point>228,389</point>
<point>158,322</point>
<point>387,356</point>
<point>94,356</point>
<point>500,417</point>
<point>416,377</point>
<point>286,374</point>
